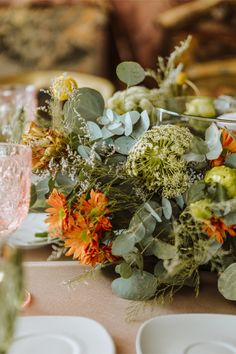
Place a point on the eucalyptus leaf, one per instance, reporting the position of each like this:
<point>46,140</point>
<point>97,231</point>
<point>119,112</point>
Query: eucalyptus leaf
<point>106,133</point>
<point>94,131</point>
<point>91,104</point>
<point>196,192</point>
<point>42,188</point>
<point>128,124</point>
<point>167,208</point>
<point>148,221</point>
<point>212,138</point>
<point>198,146</point>
<point>137,228</point>
<point>192,156</point>
<point>140,286</point>
<point>227,282</point>
<point>231,160</point>
<point>86,153</point>
<point>124,269</point>
<point>134,115</point>
<point>141,126</point>
<point>180,201</point>
<point>230,219</point>
<point>71,116</point>
<point>153,212</point>
<point>163,250</point>
<point>130,72</point>
<point>123,243</point>
<point>124,144</point>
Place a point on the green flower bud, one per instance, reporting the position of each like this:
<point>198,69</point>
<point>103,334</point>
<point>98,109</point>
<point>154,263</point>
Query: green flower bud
<point>225,176</point>
<point>200,210</point>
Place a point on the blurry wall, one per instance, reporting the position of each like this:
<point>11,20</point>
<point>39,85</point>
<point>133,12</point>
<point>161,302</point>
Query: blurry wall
<point>65,35</point>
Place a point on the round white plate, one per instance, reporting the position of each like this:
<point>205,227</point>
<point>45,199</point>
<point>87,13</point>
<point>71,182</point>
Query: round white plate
<point>60,335</point>
<point>188,334</point>
<point>24,237</point>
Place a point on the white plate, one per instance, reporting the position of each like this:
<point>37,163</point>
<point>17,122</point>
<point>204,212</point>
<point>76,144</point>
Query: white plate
<point>24,237</point>
<point>188,334</point>
<point>60,335</point>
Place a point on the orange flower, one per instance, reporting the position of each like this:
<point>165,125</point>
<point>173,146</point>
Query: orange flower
<point>92,254</point>
<point>103,224</point>
<point>59,218</point>
<point>96,205</point>
<point>217,228</point>
<point>46,143</point>
<point>229,146</point>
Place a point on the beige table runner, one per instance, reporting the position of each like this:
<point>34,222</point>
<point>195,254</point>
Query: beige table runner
<point>94,299</point>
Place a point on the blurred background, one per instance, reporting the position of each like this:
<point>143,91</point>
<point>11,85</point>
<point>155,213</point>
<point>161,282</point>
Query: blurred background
<point>91,37</point>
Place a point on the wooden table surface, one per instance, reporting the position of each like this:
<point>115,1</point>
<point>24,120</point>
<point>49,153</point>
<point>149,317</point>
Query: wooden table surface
<point>93,298</point>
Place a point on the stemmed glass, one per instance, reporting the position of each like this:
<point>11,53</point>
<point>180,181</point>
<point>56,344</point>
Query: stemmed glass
<point>15,174</point>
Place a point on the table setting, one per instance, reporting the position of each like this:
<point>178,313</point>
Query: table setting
<point>124,212</point>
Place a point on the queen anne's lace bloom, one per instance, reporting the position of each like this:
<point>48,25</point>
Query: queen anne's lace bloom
<point>157,160</point>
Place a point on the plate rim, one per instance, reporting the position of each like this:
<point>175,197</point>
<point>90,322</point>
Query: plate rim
<point>112,347</point>
<point>175,315</point>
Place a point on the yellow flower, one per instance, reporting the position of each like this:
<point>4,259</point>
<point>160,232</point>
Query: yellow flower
<point>63,86</point>
<point>45,143</point>
<point>181,78</point>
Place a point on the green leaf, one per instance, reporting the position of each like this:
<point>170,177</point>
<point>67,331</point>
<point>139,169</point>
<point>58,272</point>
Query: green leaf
<point>86,153</point>
<point>123,244</point>
<point>148,221</point>
<point>212,137</point>
<point>33,195</point>
<point>139,260</point>
<point>231,160</point>
<point>41,234</point>
<point>227,282</point>
<point>149,206</point>
<point>196,192</point>
<point>142,126</point>
<point>163,250</point>
<point>124,144</point>
<point>130,72</point>
<point>198,146</point>
<point>180,201</point>
<point>167,208</point>
<point>42,188</point>
<point>91,104</point>
<point>86,103</point>
<point>124,269</point>
<point>230,219</point>
<point>140,286</point>
<point>94,131</point>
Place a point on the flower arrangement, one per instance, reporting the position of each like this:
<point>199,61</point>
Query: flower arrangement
<point>155,199</point>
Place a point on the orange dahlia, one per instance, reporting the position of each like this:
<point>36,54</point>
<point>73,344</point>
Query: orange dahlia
<point>216,227</point>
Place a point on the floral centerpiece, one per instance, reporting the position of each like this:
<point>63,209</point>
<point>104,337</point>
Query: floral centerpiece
<point>155,199</point>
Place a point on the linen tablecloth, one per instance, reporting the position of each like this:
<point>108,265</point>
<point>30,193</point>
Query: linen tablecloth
<point>93,298</point>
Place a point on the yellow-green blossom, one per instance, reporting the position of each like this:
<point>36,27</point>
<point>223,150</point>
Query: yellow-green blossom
<point>157,160</point>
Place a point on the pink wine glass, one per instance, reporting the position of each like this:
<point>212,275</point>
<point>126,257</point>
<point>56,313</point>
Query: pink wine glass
<point>15,181</point>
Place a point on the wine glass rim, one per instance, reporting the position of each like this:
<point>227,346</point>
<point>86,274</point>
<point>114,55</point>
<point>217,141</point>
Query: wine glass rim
<point>204,119</point>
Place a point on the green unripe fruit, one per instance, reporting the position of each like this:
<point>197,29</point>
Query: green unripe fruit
<point>225,176</point>
<point>200,210</point>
